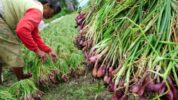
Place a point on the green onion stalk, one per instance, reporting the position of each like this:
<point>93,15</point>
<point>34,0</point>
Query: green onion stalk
<point>137,40</point>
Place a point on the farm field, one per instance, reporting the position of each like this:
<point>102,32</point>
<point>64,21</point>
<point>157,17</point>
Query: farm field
<point>110,50</point>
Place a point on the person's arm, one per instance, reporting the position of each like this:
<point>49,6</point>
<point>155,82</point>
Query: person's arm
<point>39,41</point>
<point>25,30</point>
<point>42,46</point>
<point>25,27</point>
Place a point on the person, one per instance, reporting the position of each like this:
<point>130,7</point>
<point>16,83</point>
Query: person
<point>19,21</point>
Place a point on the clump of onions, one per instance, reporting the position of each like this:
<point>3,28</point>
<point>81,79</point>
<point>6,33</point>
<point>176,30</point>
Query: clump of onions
<point>80,20</point>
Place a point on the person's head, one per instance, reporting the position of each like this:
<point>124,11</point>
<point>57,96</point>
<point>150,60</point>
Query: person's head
<point>50,7</point>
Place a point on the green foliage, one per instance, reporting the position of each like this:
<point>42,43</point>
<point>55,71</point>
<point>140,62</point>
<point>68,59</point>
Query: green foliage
<point>23,89</point>
<point>13,90</point>
<point>58,36</point>
<point>6,95</point>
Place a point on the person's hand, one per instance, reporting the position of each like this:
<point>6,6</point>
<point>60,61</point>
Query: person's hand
<point>41,55</point>
<point>53,56</point>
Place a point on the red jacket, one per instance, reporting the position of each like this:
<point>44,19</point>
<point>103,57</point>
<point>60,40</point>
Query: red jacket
<point>28,33</point>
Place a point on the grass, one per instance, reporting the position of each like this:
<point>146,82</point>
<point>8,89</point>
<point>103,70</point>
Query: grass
<point>84,88</point>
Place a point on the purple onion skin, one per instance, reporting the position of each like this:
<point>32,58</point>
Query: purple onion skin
<point>170,95</point>
<point>163,88</point>
<point>80,16</point>
<point>121,83</point>
<point>154,87</point>
<point>65,78</point>
<point>82,26</point>
<point>173,88</point>
<point>135,88</point>
<point>80,20</point>
<point>103,71</point>
<point>81,42</point>
<point>119,93</point>
<point>93,59</point>
<point>115,97</point>
<point>141,91</point>
<point>105,78</point>
<point>111,87</point>
<point>123,98</point>
<point>109,79</point>
<point>110,69</point>
<point>52,78</point>
<point>143,97</point>
<point>84,43</point>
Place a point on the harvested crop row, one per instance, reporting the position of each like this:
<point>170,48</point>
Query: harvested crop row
<point>132,44</point>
